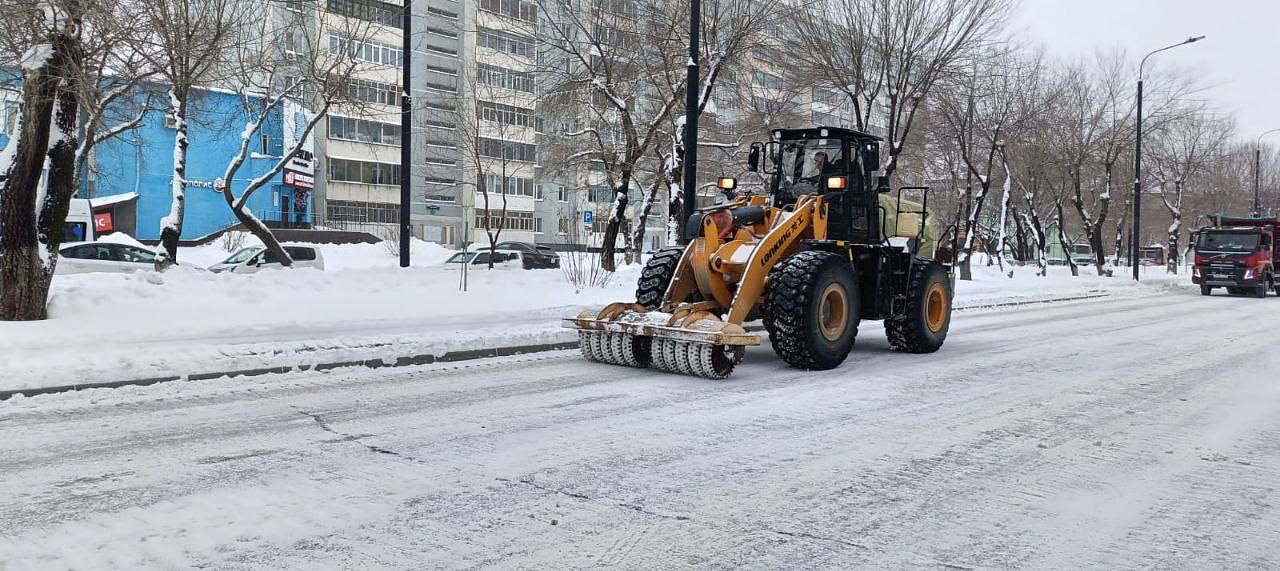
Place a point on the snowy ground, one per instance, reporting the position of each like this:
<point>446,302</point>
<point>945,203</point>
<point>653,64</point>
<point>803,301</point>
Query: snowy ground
<point>1132,431</point>
<point>115,327</point>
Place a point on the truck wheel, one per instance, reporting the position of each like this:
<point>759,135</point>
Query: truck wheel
<point>656,276</point>
<point>1206,290</point>
<point>923,326</point>
<point>1261,291</point>
<point>813,309</point>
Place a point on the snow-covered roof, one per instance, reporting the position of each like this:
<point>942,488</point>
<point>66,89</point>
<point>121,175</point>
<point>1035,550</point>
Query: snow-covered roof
<point>112,199</point>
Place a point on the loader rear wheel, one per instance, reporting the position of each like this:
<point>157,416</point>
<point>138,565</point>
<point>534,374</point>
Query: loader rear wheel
<point>812,306</point>
<point>657,275</point>
<point>923,326</point>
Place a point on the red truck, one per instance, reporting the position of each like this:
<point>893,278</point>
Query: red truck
<point>1239,254</point>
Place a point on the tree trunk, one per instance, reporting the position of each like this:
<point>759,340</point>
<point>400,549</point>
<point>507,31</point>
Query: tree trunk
<point>31,217</point>
<point>609,246</point>
<point>171,225</point>
<point>1062,238</point>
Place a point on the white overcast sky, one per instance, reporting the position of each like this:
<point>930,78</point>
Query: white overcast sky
<point>1240,56</point>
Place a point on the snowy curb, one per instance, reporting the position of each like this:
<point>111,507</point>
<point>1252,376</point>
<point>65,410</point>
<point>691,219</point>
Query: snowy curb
<point>422,359</point>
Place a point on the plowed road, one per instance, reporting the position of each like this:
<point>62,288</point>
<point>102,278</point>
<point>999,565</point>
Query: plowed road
<point>1122,432</point>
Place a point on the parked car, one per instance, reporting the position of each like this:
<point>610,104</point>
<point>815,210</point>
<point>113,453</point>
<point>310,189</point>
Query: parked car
<point>1082,254</point>
<point>502,259</point>
<point>538,256</point>
<point>256,258</point>
<point>86,257</point>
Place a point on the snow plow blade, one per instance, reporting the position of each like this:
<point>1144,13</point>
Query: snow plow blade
<point>689,341</point>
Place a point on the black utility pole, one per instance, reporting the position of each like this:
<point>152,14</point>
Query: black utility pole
<point>690,199</point>
<point>1257,172</point>
<point>406,138</point>
<point>1137,161</point>
<point>1137,184</point>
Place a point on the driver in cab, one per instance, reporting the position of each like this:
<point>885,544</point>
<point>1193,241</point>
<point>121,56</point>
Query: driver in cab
<point>822,168</point>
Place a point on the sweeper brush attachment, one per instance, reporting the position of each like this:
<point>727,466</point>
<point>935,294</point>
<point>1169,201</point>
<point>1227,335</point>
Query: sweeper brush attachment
<point>689,342</point>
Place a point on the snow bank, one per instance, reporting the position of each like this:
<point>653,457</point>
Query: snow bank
<point>108,327</point>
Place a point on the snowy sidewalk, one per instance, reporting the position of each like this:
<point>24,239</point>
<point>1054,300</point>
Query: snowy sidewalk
<point>109,328</point>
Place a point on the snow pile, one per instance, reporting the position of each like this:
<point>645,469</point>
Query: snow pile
<point>106,327</point>
<point>109,327</point>
<point>336,256</point>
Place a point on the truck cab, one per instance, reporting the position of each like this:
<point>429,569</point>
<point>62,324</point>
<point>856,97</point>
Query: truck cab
<point>1239,254</point>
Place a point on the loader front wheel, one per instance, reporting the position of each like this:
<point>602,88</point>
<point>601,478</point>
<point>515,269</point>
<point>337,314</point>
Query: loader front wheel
<point>656,276</point>
<point>923,325</point>
<point>812,306</point>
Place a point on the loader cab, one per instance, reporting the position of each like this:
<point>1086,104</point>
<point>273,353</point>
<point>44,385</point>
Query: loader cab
<point>839,164</point>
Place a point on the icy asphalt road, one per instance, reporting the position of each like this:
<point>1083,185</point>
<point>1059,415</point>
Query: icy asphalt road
<point>1116,433</point>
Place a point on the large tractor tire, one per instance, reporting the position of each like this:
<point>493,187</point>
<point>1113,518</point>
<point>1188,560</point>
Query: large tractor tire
<point>923,326</point>
<point>812,310</point>
<point>656,276</point>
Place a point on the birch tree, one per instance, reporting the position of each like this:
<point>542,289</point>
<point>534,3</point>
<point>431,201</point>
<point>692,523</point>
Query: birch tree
<point>1182,151</point>
<point>190,43</point>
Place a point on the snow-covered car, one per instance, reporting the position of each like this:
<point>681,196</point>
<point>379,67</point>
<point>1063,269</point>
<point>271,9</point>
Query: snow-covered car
<point>255,258</point>
<point>87,257</point>
<point>536,255</point>
<point>502,259</point>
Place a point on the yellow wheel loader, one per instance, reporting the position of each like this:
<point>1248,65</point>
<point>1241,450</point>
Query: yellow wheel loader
<point>821,249</point>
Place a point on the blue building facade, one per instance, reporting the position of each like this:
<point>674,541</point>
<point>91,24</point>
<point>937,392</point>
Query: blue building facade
<point>141,162</point>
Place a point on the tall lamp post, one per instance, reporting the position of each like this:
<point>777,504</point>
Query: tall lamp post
<point>406,137</point>
<point>691,92</point>
<point>1257,171</point>
<point>1137,160</point>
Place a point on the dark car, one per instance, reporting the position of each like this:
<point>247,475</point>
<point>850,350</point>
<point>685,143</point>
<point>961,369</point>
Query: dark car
<point>539,256</point>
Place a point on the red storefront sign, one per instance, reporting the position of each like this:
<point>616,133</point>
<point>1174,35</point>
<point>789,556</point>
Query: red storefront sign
<point>102,222</point>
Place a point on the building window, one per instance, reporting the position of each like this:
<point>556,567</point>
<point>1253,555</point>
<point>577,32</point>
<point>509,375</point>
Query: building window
<point>372,91</point>
<point>515,220</point>
<point>505,42</point>
<point>505,114</point>
<point>766,80</point>
<point>373,52</point>
<point>442,13</point>
<point>369,212</point>
<point>509,150</point>
<point>516,185</point>
<point>503,77</point>
<point>364,172</point>
<point>518,9</point>
<point>363,131</point>
<point>374,11</point>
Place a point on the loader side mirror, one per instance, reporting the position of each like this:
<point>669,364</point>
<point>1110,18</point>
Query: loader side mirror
<point>882,184</point>
<point>753,158</point>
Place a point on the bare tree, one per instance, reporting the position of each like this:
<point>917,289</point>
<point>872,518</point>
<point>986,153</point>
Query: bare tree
<point>271,84</point>
<point>887,56</point>
<point>1182,151</point>
<point>34,203</point>
<point>619,71</point>
<point>190,42</point>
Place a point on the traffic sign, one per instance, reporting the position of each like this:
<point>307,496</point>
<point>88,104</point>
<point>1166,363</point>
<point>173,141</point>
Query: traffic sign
<point>588,217</point>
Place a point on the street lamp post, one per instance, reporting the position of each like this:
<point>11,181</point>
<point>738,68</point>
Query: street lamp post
<point>1257,169</point>
<point>691,93</point>
<point>1137,160</point>
<point>406,137</point>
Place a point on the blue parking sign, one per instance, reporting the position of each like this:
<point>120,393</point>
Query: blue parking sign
<point>587,217</point>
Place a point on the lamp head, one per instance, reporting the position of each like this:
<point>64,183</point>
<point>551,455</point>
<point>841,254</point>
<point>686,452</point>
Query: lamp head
<point>1194,39</point>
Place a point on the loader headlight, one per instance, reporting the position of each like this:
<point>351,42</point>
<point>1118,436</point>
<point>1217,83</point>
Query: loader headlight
<point>726,183</point>
<point>836,183</point>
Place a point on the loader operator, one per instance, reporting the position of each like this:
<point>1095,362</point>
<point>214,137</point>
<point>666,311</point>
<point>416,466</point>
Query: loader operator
<point>822,168</point>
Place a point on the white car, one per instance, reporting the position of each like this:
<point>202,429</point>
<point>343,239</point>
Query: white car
<point>86,257</point>
<point>256,258</point>
<point>503,259</point>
